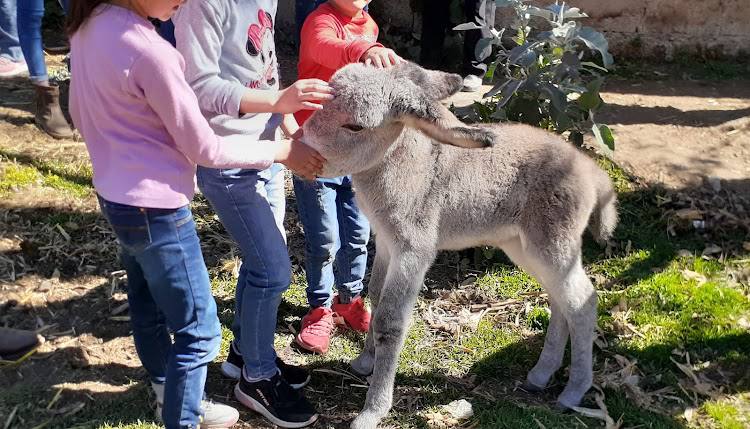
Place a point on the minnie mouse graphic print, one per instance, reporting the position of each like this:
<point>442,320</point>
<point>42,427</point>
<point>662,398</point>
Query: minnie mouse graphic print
<point>228,46</point>
<point>260,45</point>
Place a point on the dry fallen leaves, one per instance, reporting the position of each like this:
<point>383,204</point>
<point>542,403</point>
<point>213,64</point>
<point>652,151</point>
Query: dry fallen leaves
<point>600,413</point>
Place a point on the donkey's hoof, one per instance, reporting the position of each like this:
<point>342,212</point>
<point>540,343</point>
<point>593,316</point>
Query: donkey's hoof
<point>531,387</point>
<point>569,401</point>
<point>365,421</point>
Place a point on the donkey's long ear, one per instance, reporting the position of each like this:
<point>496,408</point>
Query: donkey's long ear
<point>436,85</point>
<point>412,107</point>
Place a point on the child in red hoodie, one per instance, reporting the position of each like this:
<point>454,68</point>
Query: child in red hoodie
<point>337,33</point>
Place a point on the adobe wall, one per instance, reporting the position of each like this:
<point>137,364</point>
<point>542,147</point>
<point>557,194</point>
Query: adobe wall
<point>635,28</point>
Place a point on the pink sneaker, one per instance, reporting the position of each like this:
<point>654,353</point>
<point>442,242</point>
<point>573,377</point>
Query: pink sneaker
<point>353,315</point>
<point>317,326</point>
<point>10,68</point>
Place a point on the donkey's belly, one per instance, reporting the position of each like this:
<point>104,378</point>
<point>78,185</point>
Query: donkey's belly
<point>467,238</point>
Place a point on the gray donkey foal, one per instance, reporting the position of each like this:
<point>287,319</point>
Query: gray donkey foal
<point>427,182</point>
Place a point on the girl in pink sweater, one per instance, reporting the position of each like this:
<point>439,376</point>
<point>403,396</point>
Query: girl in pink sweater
<point>145,134</point>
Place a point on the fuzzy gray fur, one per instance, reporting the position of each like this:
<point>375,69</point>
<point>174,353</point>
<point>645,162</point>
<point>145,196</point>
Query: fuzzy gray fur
<point>428,182</point>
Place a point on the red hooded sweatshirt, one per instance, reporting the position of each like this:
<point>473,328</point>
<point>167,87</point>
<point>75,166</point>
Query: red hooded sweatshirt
<point>329,41</point>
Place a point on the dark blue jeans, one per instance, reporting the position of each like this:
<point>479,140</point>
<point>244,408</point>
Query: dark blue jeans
<point>251,204</point>
<point>336,236</point>
<point>9,44</point>
<point>30,14</point>
<point>168,290</point>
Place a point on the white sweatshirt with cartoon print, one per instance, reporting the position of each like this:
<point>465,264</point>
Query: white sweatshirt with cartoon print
<point>228,47</point>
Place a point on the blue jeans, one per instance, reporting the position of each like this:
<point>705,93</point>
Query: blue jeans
<point>30,14</point>
<point>168,290</point>
<point>336,236</point>
<point>9,44</point>
<point>251,204</point>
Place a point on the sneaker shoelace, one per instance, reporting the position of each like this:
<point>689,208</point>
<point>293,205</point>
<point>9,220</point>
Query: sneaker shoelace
<point>321,327</point>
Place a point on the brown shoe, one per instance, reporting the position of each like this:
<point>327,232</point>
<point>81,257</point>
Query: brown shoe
<point>49,115</point>
<point>16,344</point>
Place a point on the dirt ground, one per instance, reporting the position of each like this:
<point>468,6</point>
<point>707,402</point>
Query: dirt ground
<point>677,133</point>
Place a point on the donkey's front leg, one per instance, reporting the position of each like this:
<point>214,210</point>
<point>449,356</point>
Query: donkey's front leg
<point>391,319</point>
<point>364,363</point>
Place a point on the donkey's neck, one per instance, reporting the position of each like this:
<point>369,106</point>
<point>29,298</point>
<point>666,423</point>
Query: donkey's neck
<point>398,187</point>
<point>411,154</point>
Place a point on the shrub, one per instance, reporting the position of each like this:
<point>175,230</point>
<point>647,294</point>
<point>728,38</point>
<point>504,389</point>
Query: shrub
<point>548,76</point>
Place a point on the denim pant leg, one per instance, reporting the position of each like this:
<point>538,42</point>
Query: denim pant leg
<point>30,14</point>
<point>243,202</point>
<point>164,244</point>
<point>150,334</point>
<point>272,183</point>
<point>316,204</point>
<point>9,44</point>
<point>354,233</point>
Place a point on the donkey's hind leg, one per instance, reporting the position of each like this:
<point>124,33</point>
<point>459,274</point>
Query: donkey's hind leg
<point>578,300</point>
<point>553,351</point>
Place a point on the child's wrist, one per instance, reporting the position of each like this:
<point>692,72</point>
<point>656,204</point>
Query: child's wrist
<point>283,151</point>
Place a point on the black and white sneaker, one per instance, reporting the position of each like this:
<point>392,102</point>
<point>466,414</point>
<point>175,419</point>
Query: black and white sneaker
<point>232,367</point>
<point>276,401</point>
<point>296,376</point>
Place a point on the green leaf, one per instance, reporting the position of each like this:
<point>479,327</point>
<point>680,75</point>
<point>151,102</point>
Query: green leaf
<point>468,26</point>
<point>565,31</point>
<point>576,138</point>
<point>508,91</point>
<point>555,96</point>
<point>568,12</point>
<point>591,100</point>
<point>491,71</point>
<point>604,136</point>
<point>523,55</point>
<point>504,3</point>
<point>483,48</point>
<point>594,66</point>
<point>596,41</point>
<point>543,13</point>
<point>525,110</point>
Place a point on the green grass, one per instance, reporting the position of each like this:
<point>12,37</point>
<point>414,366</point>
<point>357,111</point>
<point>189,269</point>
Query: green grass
<point>668,309</point>
<point>726,415</point>
<point>16,177</point>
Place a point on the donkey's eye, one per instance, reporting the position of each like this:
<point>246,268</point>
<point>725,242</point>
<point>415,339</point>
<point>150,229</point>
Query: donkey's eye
<point>353,127</point>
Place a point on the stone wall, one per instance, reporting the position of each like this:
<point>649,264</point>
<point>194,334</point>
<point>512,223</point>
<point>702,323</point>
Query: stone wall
<point>635,28</point>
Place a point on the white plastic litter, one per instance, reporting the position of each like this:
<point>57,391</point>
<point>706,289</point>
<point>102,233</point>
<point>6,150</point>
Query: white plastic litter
<point>460,409</point>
